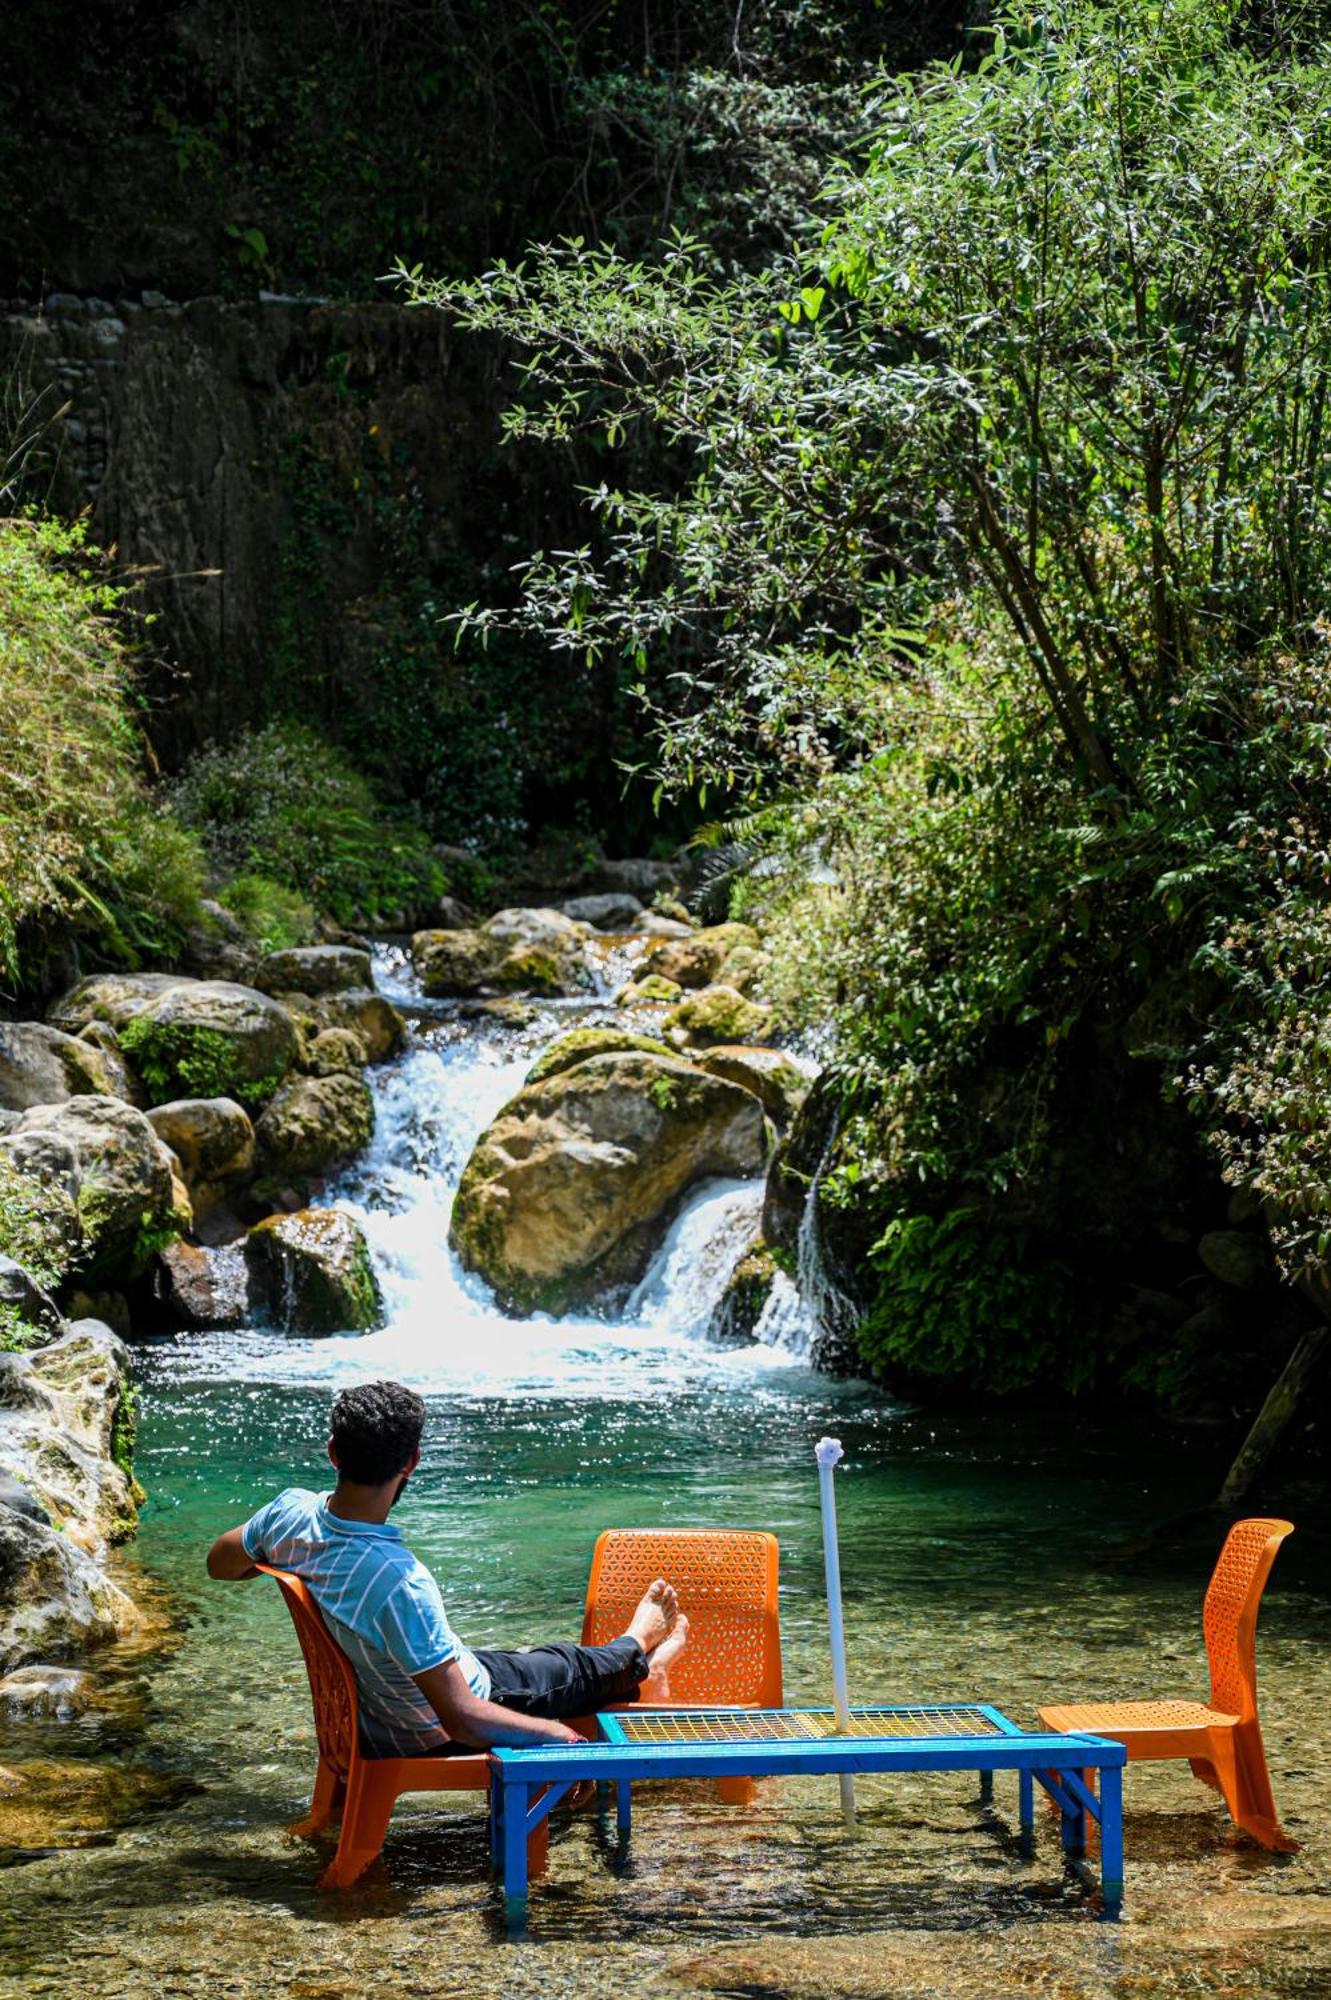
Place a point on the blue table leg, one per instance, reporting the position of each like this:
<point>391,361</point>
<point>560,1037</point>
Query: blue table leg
<point>516,1799</point>
<point>986,1788</point>
<point>602,1798</point>
<point>496,1800</point>
<point>1026,1809</point>
<point>624,1799</point>
<point>1111,1839</point>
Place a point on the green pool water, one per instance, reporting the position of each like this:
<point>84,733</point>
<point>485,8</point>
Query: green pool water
<point>984,1558</point>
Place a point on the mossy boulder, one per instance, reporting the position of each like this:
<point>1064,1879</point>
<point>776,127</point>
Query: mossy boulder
<point>515,951</point>
<point>55,1599</point>
<point>570,1190</point>
<point>115,1171</point>
<point>25,1304</point>
<point>582,1043</point>
<point>747,1291</point>
<point>314,1123</point>
<point>743,969</point>
<point>314,969</point>
<point>381,1029</point>
<point>311,1273</point>
<point>652,990</point>
<point>43,1065</point>
<point>697,960</point>
<point>336,1052</point>
<point>779,1084</point>
<point>717,1014</point>
<point>209,1038</point>
<point>113,997</point>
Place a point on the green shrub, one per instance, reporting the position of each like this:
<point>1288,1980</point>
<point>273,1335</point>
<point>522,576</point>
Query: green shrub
<point>280,803</point>
<point>275,917</point>
<point>81,847</point>
<point>961,1302</point>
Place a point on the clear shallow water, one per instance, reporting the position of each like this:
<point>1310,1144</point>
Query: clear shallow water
<point>977,1559</point>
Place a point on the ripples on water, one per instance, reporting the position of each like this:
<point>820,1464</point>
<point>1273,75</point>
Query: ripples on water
<point>974,1553</point>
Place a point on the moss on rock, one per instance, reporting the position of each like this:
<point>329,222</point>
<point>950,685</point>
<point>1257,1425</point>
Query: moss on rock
<point>717,1014</point>
<point>582,1043</point>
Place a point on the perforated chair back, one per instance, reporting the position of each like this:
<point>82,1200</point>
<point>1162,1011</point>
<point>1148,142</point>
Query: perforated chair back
<point>727,1585</point>
<point>1229,1613</point>
<point>331,1674</point>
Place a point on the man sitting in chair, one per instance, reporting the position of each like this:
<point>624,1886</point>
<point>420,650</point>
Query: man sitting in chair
<point>421,1690</point>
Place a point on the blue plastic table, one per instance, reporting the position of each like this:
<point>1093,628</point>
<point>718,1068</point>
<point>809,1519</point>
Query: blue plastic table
<point>784,1742</point>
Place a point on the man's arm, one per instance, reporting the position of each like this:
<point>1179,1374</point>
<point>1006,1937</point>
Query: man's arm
<point>228,1560</point>
<point>479,1723</point>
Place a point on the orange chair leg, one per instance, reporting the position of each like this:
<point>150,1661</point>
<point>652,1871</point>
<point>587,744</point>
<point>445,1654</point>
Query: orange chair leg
<point>369,1807</point>
<point>1203,1768</point>
<point>1253,1804</point>
<point>329,1792</point>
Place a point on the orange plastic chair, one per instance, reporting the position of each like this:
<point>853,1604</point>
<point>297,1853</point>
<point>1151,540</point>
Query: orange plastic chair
<point>727,1584</point>
<point>1222,1738</point>
<point>362,1789</point>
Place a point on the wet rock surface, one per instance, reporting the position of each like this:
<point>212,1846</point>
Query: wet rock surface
<point>114,1169</point>
<point>312,1124</point>
<point>539,951</point>
<point>570,1189</point>
<point>310,1273</point>
<point>40,1064</point>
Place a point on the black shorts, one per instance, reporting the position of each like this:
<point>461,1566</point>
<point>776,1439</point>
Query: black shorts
<point>562,1680</point>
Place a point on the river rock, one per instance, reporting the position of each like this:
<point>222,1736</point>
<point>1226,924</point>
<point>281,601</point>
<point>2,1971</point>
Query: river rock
<point>315,969</point>
<point>743,968</point>
<point>696,959</point>
<point>336,1052</point>
<point>514,951</point>
<point>121,1078</point>
<point>451,915</point>
<point>571,1188</point>
<point>717,1014</point>
<point>113,997</point>
<point>111,1163</point>
<point>212,1138</point>
<point>13,1493</point>
<point>67,1433</point>
<point>198,1287</point>
<point>649,991</point>
<point>605,913</point>
<point>314,1123</point>
<point>54,1598</point>
<point>1238,1257</point>
<point>381,1029</point>
<point>44,1694</point>
<point>636,876</point>
<point>209,1038</point>
<point>43,1065</point>
<point>747,1291</point>
<point>311,1273</point>
<point>653,924</point>
<point>580,1043</point>
<point>779,1084</point>
<point>34,1305</point>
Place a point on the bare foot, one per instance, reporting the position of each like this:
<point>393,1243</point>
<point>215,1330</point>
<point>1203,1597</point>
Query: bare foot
<point>655,1616</point>
<point>656,1687</point>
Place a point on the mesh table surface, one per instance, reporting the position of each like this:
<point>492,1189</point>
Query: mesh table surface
<point>795,1725</point>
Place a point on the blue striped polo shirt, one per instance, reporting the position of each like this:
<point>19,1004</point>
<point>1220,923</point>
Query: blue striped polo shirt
<point>382,1607</point>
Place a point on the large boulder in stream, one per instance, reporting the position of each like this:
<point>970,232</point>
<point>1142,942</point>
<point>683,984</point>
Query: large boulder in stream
<point>515,951</point>
<point>311,1273</point>
<point>570,1190</point>
<point>316,968</point>
<point>313,1124</point>
<point>103,1157</point>
<point>699,959</point>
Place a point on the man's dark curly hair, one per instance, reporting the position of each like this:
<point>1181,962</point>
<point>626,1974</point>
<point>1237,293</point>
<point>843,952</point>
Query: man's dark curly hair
<point>375,1428</point>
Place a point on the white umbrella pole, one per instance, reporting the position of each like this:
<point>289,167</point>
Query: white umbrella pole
<point>827,1452</point>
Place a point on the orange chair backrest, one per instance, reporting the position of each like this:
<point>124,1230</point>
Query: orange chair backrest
<point>1229,1614</point>
<point>727,1584</point>
<point>332,1676</point>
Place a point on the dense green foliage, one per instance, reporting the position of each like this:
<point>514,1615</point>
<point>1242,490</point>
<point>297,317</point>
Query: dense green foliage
<point>82,845</point>
<point>281,803</point>
<point>989,581</point>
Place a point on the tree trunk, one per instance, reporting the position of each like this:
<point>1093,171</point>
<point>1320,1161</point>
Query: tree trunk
<point>1271,1420</point>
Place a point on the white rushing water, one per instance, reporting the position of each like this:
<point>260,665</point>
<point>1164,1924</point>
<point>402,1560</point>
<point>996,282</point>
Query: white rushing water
<point>443,1327</point>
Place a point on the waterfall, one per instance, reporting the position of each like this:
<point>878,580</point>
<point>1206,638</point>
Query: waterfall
<point>431,1104</point>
